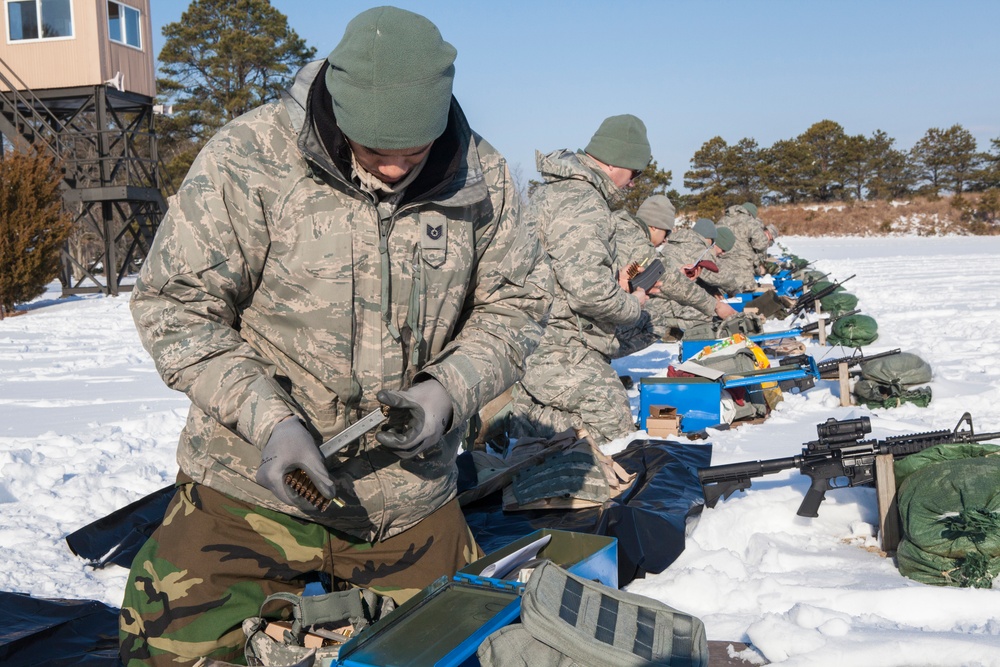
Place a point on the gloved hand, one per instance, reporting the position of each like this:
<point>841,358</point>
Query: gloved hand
<point>291,447</point>
<point>417,419</point>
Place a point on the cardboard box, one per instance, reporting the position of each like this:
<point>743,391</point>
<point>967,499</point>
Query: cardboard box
<point>277,629</point>
<point>663,421</point>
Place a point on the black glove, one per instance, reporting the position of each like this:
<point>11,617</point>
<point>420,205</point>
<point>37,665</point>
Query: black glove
<point>417,419</point>
<point>291,447</point>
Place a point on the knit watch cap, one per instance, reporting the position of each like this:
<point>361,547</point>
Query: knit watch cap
<point>658,212</point>
<point>751,208</point>
<point>390,78</point>
<point>706,228</point>
<point>725,238</point>
<point>621,141</point>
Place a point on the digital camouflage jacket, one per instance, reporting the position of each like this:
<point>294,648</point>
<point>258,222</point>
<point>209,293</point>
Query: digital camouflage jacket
<point>572,211</point>
<point>751,240</point>
<point>275,287</point>
<point>684,246</point>
<point>632,241</point>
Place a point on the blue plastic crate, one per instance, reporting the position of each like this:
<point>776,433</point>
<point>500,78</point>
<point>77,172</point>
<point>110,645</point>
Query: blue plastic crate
<point>787,287</point>
<point>698,400</point>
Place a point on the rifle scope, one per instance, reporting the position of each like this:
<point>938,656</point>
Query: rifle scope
<point>843,430</point>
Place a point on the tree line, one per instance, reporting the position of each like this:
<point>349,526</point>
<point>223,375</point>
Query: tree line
<point>224,58</point>
<point>825,164</point>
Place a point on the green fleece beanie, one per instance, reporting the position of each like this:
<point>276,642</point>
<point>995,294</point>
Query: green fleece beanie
<point>390,78</point>
<point>705,227</point>
<point>725,238</point>
<point>657,211</point>
<point>751,208</point>
<point>621,141</point>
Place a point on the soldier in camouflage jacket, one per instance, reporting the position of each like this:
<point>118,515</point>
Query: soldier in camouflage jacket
<point>327,252</point>
<point>752,237</point>
<point>735,274</point>
<point>569,382</point>
<point>681,303</point>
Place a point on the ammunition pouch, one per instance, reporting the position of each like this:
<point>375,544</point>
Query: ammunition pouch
<point>747,324</point>
<point>574,477</point>
<point>770,306</point>
<point>567,620</point>
<point>319,626</point>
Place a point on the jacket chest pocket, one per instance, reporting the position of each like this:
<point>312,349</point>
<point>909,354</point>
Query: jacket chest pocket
<point>433,231</point>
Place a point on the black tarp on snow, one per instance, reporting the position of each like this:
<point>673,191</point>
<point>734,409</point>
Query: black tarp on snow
<point>57,633</point>
<point>648,521</point>
<point>116,538</point>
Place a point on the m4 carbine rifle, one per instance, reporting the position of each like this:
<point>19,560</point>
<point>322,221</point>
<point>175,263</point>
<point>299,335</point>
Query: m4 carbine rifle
<point>809,299</point>
<point>814,326</point>
<point>806,284</point>
<point>839,453</point>
<point>829,368</point>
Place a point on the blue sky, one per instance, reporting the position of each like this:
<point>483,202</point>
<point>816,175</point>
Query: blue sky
<point>542,74</point>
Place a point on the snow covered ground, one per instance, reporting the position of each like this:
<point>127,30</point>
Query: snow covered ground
<point>86,426</point>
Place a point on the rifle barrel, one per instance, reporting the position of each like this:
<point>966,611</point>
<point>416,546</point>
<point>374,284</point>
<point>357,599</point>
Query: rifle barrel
<point>831,365</point>
<point>810,298</point>
<point>814,326</point>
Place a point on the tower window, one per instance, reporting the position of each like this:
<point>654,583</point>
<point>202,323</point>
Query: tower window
<point>124,25</point>
<point>39,19</point>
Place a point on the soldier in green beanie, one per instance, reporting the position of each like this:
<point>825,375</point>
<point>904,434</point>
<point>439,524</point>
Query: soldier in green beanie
<point>681,303</point>
<point>352,248</point>
<point>735,274</point>
<point>568,382</point>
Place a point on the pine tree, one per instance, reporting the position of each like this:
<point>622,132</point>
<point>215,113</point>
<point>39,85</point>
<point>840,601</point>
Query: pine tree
<point>652,181</point>
<point>33,227</point>
<point>989,175</point>
<point>744,172</point>
<point>823,172</point>
<point>946,159</point>
<point>222,59</point>
<point>710,205</point>
<point>894,175</point>
<point>707,173</point>
<point>965,160</point>
<point>787,163</point>
<point>859,164</point>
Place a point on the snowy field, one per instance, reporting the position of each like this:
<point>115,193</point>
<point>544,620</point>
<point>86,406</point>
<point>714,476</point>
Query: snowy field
<point>86,427</point>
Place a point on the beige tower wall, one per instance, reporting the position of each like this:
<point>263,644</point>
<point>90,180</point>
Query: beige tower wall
<point>86,59</point>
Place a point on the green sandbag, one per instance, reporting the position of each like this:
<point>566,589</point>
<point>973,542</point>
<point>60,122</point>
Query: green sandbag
<point>797,262</point>
<point>877,395</point>
<point>949,504</point>
<point>904,369</point>
<point>888,382</point>
<point>853,331</point>
<point>904,467</point>
<point>838,302</point>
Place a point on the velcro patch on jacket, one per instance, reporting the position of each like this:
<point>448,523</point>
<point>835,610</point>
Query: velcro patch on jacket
<point>435,234</point>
